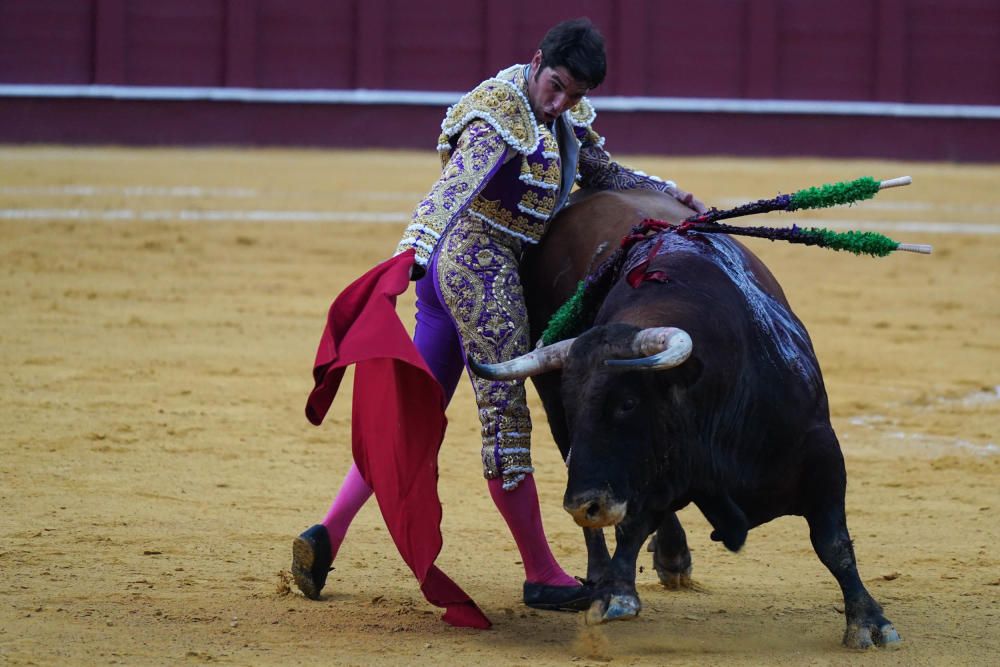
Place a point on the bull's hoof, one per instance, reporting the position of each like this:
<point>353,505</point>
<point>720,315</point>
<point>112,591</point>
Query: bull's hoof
<point>675,581</point>
<point>674,570</point>
<point>870,635</point>
<point>617,608</point>
<point>675,574</point>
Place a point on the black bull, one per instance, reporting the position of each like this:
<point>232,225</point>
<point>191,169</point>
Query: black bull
<point>741,428</point>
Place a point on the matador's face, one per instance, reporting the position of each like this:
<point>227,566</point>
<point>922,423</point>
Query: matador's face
<point>551,90</point>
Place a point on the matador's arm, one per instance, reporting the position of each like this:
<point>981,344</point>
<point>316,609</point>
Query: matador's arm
<point>479,152</point>
<point>598,171</point>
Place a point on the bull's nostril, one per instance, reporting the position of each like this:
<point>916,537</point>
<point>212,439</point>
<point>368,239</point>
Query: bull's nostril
<point>593,509</point>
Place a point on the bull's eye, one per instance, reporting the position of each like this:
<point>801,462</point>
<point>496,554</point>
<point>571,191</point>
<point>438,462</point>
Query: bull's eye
<point>626,406</point>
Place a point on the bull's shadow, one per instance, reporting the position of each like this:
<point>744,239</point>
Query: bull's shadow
<point>729,413</point>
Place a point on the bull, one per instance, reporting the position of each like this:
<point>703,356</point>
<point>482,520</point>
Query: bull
<point>696,385</point>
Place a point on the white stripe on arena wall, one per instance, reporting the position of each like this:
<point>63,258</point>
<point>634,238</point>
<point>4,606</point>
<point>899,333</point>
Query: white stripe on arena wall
<point>440,99</point>
<point>190,215</point>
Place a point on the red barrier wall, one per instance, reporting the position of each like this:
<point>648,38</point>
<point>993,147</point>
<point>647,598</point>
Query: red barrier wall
<point>912,51</point>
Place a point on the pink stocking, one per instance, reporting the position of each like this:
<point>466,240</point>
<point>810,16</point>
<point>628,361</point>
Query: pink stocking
<point>353,494</point>
<point>519,509</point>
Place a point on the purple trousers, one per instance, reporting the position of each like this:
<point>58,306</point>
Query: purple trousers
<point>435,333</point>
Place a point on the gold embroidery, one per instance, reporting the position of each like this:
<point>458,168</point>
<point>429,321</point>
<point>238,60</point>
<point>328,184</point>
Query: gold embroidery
<point>592,137</point>
<point>541,204</point>
<point>478,277</point>
<point>498,107</point>
<point>501,102</point>
<point>517,224</point>
<point>549,144</point>
<point>478,153</point>
<point>547,171</point>
<point>583,114</point>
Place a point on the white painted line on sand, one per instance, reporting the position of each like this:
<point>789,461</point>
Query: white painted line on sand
<point>388,217</point>
<point>915,226</point>
<point>193,191</point>
<point>128,191</point>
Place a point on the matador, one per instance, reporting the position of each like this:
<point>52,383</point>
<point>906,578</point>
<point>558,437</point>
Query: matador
<point>511,151</point>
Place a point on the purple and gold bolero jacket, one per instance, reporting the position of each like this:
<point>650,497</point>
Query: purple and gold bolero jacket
<point>511,172</point>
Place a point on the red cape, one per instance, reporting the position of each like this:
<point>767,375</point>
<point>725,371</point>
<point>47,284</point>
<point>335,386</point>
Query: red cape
<point>398,423</point>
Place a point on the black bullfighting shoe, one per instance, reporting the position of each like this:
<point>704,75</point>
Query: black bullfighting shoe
<point>558,598</point>
<point>312,560</point>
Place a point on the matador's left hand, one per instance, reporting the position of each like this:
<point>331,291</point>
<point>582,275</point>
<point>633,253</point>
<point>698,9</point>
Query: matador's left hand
<point>691,201</point>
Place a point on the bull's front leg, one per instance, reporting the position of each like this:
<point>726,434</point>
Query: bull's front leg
<point>615,596</point>
<point>598,557</point>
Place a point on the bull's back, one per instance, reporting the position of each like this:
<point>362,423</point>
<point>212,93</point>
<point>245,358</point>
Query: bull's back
<point>717,289</point>
<point>580,237</point>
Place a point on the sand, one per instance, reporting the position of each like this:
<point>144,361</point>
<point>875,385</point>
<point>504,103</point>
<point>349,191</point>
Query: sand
<point>155,462</point>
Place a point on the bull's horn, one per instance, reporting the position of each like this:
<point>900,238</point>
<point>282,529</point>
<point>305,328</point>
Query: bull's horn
<point>661,347</point>
<point>536,362</point>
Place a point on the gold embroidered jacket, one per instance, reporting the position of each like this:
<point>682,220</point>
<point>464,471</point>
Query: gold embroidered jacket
<point>503,167</point>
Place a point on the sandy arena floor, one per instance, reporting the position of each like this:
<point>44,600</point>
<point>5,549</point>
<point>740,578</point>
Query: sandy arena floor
<point>160,314</point>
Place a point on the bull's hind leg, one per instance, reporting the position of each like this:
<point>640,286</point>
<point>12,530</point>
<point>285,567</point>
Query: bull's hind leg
<point>866,625</point>
<point>671,556</point>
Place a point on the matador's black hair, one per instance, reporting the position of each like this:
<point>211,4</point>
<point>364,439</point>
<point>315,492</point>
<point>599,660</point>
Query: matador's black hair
<point>576,45</point>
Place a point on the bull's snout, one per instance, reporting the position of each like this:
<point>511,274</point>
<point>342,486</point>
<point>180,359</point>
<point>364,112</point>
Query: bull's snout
<point>595,509</point>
